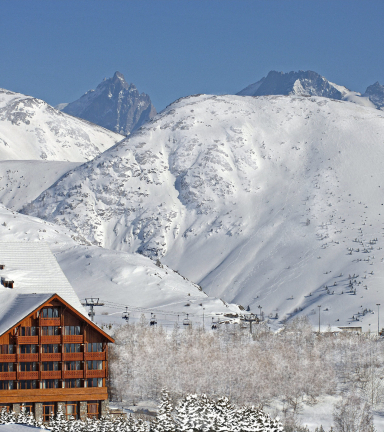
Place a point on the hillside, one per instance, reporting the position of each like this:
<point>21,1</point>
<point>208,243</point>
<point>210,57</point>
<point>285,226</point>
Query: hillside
<point>30,129</point>
<point>270,201</point>
<point>114,104</point>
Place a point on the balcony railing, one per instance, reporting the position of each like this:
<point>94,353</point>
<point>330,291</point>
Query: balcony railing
<point>4,358</point>
<point>50,374</point>
<point>73,356</point>
<point>45,322</point>
<point>28,357</point>
<point>31,375</point>
<point>95,373</point>
<point>50,339</point>
<point>7,376</point>
<point>94,356</point>
<point>73,338</point>
<point>68,374</point>
<point>27,339</point>
<point>50,356</point>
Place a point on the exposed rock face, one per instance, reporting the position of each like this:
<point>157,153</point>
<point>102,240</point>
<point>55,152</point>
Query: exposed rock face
<point>115,105</point>
<point>301,83</point>
<point>375,93</point>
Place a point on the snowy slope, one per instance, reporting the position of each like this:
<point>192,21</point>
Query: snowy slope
<point>262,201</point>
<point>30,129</point>
<point>20,184</point>
<point>118,278</point>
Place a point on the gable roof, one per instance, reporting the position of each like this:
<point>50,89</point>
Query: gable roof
<point>34,270</point>
<point>15,307</point>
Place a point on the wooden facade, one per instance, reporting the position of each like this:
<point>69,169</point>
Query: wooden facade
<point>55,357</point>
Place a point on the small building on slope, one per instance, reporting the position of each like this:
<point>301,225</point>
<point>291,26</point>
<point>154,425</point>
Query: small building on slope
<point>51,354</point>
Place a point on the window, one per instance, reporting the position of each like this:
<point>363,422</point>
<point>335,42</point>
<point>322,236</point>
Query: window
<point>47,410</point>
<point>50,366</point>
<point>6,367</point>
<point>50,313</point>
<point>95,382</point>
<point>51,331</point>
<point>27,384</point>
<point>7,349</point>
<point>7,407</point>
<point>72,330</point>
<point>7,385</point>
<point>73,365</point>
<point>95,347</point>
<point>28,366</point>
<point>28,331</point>
<point>50,383</point>
<point>72,348</point>
<point>95,365</point>
<point>28,408</point>
<point>72,383</point>
<point>29,349</point>
<point>71,410</point>
<point>93,409</point>
<point>50,348</point>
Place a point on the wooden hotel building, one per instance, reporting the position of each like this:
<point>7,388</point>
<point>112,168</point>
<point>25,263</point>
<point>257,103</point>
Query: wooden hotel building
<point>51,354</point>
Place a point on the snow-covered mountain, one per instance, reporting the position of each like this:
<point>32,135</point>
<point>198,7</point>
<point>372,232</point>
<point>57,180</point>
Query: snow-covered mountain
<point>305,83</point>
<point>115,105</point>
<point>30,129</point>
<point>272,201</point>
<point>118,278</point>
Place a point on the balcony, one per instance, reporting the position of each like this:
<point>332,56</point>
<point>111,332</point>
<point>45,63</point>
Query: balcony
<point>68,374</point>
<point>49,322</point>
<point>50,339</point>
<point>51,357</point>
<point>50,374</point>
<point>95,373</point>
<point>73,338</point>
<point>94,356</point>
<point>73,356</point>
<point>7,358</point>
<point>28,357</point>
<point>7,376</point>
<point>27,340</point>
<point>31,375</point>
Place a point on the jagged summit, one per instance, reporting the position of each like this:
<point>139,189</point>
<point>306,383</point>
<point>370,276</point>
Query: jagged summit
<point>301,83</point>
<point>375,93</point>
<point>115,105</point>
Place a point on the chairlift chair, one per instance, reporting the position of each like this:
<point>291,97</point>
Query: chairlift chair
<point>153,320</point>
<point>214,324</point>
<point>125,315</point>
<point>186,321</point>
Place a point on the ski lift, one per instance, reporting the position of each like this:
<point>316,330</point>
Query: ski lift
<point>125,315</point>
<point>153,321</point>
<point>214,324</point>
<point>186,321</point>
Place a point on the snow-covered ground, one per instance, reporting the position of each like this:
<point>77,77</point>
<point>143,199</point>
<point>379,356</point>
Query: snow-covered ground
<point>30,129</point>
<point>270,201</point>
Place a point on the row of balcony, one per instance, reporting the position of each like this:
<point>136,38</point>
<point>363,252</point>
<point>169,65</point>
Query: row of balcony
<point>49,339</point>
<point>40,375</point>
<point>13,358</point>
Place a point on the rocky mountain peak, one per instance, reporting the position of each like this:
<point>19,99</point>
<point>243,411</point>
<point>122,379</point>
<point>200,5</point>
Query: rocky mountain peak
<point>115,105</point>
<point>301,83</point>
<point>375,93</point>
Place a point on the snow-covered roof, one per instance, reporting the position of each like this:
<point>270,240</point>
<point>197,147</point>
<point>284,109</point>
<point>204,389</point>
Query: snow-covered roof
<point>15,306</point>
<point>34,270</point>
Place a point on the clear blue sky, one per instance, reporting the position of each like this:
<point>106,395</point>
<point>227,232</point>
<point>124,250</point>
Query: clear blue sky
<point>56,50</point>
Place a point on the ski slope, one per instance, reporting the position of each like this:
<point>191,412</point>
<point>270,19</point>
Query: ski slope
<point>270,201</point>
